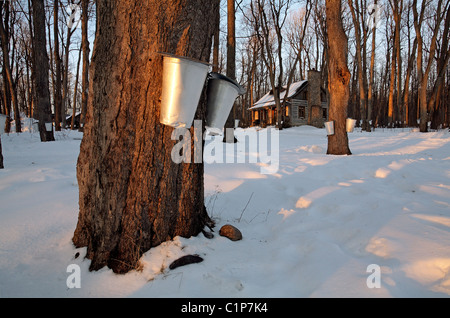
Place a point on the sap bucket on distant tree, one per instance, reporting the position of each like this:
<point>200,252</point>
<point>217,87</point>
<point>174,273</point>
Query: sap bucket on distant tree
<point>2,123</point>
<point>350,124</point>
<point>329,125</point>
<point>48,127</point>
<point>222,92</point>
<point>182,85</point>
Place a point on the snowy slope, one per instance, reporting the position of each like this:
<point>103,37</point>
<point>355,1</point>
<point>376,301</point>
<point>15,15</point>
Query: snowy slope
<point>309,230</point>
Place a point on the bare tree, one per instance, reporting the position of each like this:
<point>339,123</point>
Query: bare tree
<point>361,39</point>
<point>1,155</point>
<point>296,37</point>
<point>339,79</point>
<point>5,38</point>
<point>41,71</point>
<point>231,65</point>
<point>269,18</point>
<point>370,89</point>
<point>435,102</point>
<point>57,61</point>
<point>75,91</point>
<point>85,71</point>
<point>423,74</point>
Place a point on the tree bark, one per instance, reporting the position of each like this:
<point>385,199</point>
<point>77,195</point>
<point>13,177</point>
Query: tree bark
<point>41,71</point>
<point>371,73</point>
<point>85,71</point>
<point>359,60</point>
<point>423,74</point>
<point>132,196</point>
<point>231,66</point>
<point>65,84</point>
<point>1,155</point>
<point>216,47</point>
<point>75,91</point>
<point>4,35</point>
<point>392,85</point>
<point>57,57</point>
<point>398,9</point>
<point>339,79</point>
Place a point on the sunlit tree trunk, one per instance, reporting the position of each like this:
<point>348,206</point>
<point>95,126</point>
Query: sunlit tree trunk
<point>339,79</point>
<point>132,196</point>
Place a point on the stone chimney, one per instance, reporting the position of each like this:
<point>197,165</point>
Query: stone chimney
<point>314,100</point>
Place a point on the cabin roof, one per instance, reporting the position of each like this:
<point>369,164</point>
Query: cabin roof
<point>268,99</point>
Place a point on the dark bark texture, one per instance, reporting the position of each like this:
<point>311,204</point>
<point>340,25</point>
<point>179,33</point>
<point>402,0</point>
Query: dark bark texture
<point>1,155</point>
<point>41,71</point>
<point>132,196</point>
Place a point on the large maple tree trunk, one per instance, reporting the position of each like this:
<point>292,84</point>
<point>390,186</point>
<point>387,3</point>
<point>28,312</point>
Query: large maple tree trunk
<point>132,196</point>
<point>339,79</point>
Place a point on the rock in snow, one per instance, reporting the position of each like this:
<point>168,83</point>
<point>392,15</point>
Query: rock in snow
<point>185,260</point>
<point>231,232</point>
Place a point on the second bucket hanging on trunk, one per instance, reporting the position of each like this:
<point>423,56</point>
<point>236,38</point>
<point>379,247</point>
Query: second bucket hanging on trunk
<point>222,92</point>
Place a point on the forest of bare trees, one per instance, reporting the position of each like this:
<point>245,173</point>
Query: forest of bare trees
<point>398,54</point>
<point>42,79</point>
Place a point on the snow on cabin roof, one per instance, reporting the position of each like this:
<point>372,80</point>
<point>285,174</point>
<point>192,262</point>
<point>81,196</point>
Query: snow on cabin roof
<point>268,99</point>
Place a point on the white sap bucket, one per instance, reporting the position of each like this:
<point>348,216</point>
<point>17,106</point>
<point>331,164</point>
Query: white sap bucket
<point>350,124</point>
<point>329,125</point>
<point>222,92</point>
<point>2,123</point>
<point>48,126</point>
<point>182,85</point>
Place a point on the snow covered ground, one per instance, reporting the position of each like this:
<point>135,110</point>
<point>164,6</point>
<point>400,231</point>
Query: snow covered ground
<point>310,230</point>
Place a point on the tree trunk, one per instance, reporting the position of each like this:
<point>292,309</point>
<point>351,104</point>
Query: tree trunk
<point>65,84</point>
<point>4,35</point>
<point>75,90</point>
<point>231,65</point>
<point>1,154</point>
<point>41,71</point>
<point>371,73</point>
<point>392,83</point>
<point>359,60</point>
<point>339,79</point>
<point>216,47</point>
<point>57,57</point>
<point>423,74</point>
<point>398,8</point>
<point>85,72</point>
<point>132,196</point>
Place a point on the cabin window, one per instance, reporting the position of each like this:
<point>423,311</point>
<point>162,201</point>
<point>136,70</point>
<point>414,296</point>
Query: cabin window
<point>324,113</point>
<point>256,115</point>
<point>301,112</point>
<point>287,111</point>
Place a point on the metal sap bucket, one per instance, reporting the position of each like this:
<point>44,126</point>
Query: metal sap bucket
<point>2,123</point>
<point>329,125</point>
<point>222,92</point>
<point>350,124</point>
<point>49,126</point>
<point>182,85</point>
